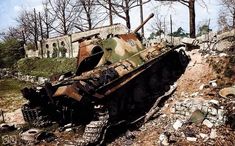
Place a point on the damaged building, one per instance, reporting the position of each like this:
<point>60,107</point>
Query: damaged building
<point>63,46</point>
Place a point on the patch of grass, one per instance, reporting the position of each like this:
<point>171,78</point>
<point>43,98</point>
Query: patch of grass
<point>10,95</point>
<point>46,67</point>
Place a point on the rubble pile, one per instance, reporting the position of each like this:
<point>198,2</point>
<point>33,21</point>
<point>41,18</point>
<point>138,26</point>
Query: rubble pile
<point>8,73</point>
<point>195,110</point>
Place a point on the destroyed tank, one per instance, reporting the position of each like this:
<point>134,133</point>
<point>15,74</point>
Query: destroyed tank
<point>117,80</point>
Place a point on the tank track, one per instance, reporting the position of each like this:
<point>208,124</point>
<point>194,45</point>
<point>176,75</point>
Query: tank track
<point>95,131</point>
<point>30,114</point>
<point>34,116</point>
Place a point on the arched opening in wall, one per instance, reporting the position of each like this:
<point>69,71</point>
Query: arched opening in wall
<point>47,51</point>
<point>55,52</point>
<point>62,49</point>
<point>62,43</point>
<point>91,61</point>
<point>54,45</point>
<point>47,46</point>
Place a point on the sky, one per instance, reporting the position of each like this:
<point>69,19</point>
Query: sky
<point>9,9</point>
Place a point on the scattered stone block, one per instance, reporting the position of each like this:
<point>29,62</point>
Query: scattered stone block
<point>201,87</point>
<point>163,139</point>
<point>177,124</point>
<point>207,123</point>
<point>191,139</point>
<point>216,102</point>
<point>213,134</point>
<point>203,136</point>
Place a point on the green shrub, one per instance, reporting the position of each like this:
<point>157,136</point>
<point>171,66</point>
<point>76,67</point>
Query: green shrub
<point>46,67</point>
<point>10,52</point>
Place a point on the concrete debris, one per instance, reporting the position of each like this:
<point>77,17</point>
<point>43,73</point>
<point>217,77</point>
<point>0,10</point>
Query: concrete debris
<point>42,80</point>
<point>194,110</point>
<point>190,41</point>
<point>213,101</point>
<point>207,55</point>
<point>177,124</point>
<point>164,139</point>
<point>201,87</point>
<point>213,134</point>
<point>68,129</point>
<point>203,136</point>
<point>222,54</point>
<point>194,94</point>
<point>191,139</point>
<point>8,73</point>
<point>213,83</point>
<point>207,123</point>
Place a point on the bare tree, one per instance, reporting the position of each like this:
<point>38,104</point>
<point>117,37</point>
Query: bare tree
<point>159,23</point>
<point>28,24</point>
<point>65,13</point>
<point>191,7</point>
<point>47,19</point>
<point>121,8</point>
<point>227,14</point>
<point>14,33</point>
<point>91,14</point>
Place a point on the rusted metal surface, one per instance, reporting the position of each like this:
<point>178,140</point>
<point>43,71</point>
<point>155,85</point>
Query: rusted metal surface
<point>226,92</point>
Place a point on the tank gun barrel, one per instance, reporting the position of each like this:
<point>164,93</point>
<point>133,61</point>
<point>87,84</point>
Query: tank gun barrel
<point>142,24</point>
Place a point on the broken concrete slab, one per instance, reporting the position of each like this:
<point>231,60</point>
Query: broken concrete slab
<point>207,123</point>
<point>164,139</point>
<point>203,136</point>
<point>190,41</point>
<point>191,139</point>
<point>213,134</point>
<point>177,124</point>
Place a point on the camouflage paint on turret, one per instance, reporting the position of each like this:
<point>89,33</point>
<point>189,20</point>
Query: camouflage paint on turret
<point>120,47</point>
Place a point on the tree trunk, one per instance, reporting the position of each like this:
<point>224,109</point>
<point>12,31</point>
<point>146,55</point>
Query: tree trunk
<point>35,30</point>
<point>65,31</point>
<point>64,25</point>
<point>234,18</point>
<point>47,31</point>
<point>47,24</point>
<point>141,16</point>
<point>192,16</point>
<point>128,23</point>
<point>110,13</point>
<point>89,21</point>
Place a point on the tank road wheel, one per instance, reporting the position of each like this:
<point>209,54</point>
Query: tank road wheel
<point>95,131</point>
